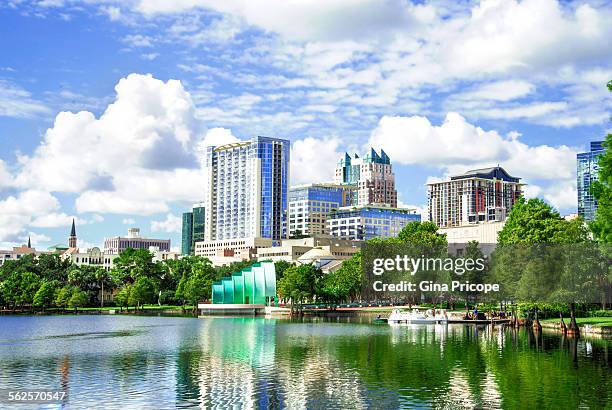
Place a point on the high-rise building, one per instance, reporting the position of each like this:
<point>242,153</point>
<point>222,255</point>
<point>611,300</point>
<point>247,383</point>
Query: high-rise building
<point>310,206</point>
<point>116,245</point>
<point>187,233</point>
<point>373,177</point>
<point>368,222</point>
<point>199,222</point>
<point>193,228</point>
<point>587,173</point>
<point>477,196</point>
<point>246,193</point>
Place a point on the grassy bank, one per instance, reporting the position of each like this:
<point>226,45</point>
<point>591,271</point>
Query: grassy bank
<point>593,321</point>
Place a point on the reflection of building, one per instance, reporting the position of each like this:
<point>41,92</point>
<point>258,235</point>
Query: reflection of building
<point>481,195</point>
<point>246,193</point>
<point>310,206</point>
<point>587,173</point>
<point>118,244</point>
<point>372,176</point>
<point>364,223</point>
<point>193,228</point>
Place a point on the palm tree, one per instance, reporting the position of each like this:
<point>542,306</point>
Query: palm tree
<point>101,276</point>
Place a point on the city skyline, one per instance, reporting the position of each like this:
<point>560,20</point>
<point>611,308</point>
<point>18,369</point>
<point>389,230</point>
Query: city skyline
<point>164,81</point>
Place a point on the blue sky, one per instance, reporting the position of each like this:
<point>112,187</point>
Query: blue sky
<point>106,105</point>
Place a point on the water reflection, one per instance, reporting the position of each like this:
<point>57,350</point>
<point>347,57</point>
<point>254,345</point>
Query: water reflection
<point>165,362</point>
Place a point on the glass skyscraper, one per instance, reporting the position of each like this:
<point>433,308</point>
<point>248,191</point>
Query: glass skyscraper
<point>310,206</point>
<point>193,228</point>
<point>587,173</point>
<point>368,222</point>
<point>187,233</point>
<point>246,193</point>
<point>372,176</point>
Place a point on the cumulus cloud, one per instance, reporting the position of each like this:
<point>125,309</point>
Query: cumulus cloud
<point>172,224</point>
<point>456,146</point>
<point>17,212</point>
<point>139,155</point>
<point>314,160</point>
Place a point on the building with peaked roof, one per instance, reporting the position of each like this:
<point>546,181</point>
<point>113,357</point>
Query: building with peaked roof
<point>476,196</point>
<point>371,175</point>
<point>587,171</point>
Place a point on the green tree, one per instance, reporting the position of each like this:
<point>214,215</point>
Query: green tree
<point>11,289</point>
<point>133,263</point>
<point>143,291</point>
<point>30,282</point>
<point>344,283</point>
<point>301,284</point>
<point>601,226</point>
<point>122,298</point>
<point>62,296</point>
<point>198,287</point>
<point>78,299</point>
<point>280,267</point>
<point>45,295</point>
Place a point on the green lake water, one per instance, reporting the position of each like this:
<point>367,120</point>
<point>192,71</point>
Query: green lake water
<point>146,362</point>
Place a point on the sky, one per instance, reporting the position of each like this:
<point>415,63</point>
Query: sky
<point>106,106</point>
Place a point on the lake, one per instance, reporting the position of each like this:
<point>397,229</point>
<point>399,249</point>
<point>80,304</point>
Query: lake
<point>181,362</point>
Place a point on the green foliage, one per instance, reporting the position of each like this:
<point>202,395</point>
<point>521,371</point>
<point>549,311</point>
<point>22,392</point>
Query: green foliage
<point>301,283</point>
<point>600,313</point>
<point>425,233</point>
<point>122,298</point>
<point>198,287</point>
<point>144,290</point>
<point>345,283</point>
<point>62,296</point>
<point>601,226</point>
<point>133,263</point>
<point>78,298</point>
<point>45,295</point>
<point>280,267</point>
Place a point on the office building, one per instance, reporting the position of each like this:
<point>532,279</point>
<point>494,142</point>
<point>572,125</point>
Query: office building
<point>246,192</point>
<point>294,250</point>
<point>192,228</point>
<point>477,196</point>
<point>587,173</point>
<point>368,222</point>
<point>371,175</point>
<point>118,244</point>
<point>310,206</point>
<point>187,233</point>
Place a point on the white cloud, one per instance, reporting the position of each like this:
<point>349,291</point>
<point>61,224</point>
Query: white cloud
<point>17,212</point>
<point>504,90</point>
<point>60,219</point>
<point>17,102</point>
<point>172,224</point>
<point>314,160</point>
<point>6,178</point>
<point>138,156</point>
<point>128,221</point>
<point>138,40</point>
<point>456,146</point>
<point>216,137</point>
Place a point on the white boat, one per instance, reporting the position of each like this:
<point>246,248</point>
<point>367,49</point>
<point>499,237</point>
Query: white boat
<point>398,317</point>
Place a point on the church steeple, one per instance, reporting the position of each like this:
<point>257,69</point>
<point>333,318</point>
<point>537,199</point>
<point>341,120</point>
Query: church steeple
<point>29,242</point>
<point>72,240</point>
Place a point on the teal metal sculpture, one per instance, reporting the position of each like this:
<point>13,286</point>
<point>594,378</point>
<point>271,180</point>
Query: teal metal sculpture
<point>255,285</point>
